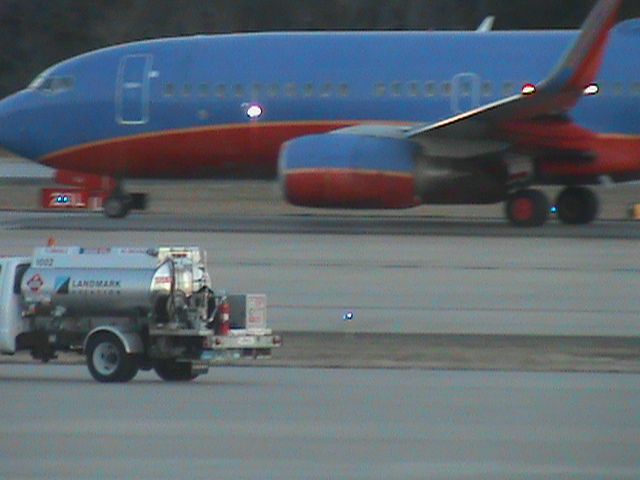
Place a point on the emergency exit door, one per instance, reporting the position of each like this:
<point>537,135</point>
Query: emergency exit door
<point>466,92</point>
<point>132,90</point>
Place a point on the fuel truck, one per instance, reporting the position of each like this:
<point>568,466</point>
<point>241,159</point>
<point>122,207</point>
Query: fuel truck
<point>127,309</point>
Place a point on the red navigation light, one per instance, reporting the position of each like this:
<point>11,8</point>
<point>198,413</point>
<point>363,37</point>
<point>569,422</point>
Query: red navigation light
<point>529,89</point>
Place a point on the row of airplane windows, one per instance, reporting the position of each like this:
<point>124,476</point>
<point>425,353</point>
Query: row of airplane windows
<point>257,90</point>
<point>394,89</point>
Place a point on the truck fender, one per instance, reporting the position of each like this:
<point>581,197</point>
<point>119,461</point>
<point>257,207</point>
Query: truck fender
<point>131,341</point>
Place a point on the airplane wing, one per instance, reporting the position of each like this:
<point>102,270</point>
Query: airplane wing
<point>552,98</point>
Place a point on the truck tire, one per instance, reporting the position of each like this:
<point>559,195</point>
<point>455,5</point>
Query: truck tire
<point>107,359</point>
<point>172,371</point>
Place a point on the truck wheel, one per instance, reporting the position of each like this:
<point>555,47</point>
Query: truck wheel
<point>172,371</point>
<point>107,359</point>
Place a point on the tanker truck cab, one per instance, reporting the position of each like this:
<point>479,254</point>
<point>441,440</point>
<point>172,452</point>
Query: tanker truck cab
<point>127,309</point>
<point>12,323</point>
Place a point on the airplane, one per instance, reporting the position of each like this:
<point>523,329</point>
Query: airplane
<point>354,120</point>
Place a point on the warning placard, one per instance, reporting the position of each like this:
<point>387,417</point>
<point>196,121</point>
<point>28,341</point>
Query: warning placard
<point>256,312</point>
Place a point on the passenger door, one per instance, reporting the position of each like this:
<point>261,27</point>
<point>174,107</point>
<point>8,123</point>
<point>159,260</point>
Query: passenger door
<point>132,90</point>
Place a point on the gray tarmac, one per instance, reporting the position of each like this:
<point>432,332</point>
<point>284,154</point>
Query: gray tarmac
<point>428,291</point>
<point>395,283</point>
<point>319,424</point>
<point>569,302</point>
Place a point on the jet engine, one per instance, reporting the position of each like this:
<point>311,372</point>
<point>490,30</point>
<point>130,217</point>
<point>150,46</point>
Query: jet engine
<point>357,171</point>
<point>348,171</point>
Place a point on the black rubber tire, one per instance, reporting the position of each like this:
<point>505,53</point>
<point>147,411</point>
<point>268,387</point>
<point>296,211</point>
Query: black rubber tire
<point>172,371</point>
<point>577,206</point>
<point>117,206</point>
<point>527,208</point>
<point>117,365</point>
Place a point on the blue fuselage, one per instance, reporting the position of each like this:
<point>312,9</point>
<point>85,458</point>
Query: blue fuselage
<point>192,90</point>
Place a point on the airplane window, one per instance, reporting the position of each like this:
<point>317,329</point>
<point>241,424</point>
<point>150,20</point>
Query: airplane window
<point>508,89</point>
<point>344,90</point>
<point>221,91</point>
<point>186,90</point>
<point>256,90</point>
<point>308,90</point>
<point>53,84</point>
<point>326,90</point>
<point>238,90</point>
<point>203,90</point>
<point>274,90</point>
<point>487,89</point>
<point>63,84</point>
<point>414,89</point>
<point>396,89</point>
<point>430,89</point>
<point>446,89</point>
<point>290,90</point>
<point>380,90</point>
<point>169,90</point>
<point>635,89</point>
<point>465,89</point>
<point>618,89</point>
<point>37,82</point>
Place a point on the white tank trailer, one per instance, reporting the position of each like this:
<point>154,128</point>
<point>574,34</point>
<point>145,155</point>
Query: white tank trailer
<point>127,309</point>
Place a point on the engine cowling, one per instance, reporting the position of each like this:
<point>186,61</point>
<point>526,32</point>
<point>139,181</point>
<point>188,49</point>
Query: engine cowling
<point>356,171</point>
<point>349,171</point>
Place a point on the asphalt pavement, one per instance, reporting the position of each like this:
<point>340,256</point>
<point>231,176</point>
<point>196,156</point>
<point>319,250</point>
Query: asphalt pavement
<point>240,423</point>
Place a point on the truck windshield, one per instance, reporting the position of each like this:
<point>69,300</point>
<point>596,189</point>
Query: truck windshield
<point>20,271</point>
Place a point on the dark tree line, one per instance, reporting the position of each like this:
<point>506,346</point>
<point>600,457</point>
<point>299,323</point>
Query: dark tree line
<point>37,33</point>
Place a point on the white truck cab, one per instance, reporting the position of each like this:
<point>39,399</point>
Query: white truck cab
<point>12,322</point>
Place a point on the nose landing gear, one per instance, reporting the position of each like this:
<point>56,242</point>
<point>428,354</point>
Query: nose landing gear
<point>120,203</point>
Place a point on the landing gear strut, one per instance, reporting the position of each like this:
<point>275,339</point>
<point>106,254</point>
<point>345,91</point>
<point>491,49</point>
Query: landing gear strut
<point>120,203</point>
<point>527,208</point>
<point>577,206</point>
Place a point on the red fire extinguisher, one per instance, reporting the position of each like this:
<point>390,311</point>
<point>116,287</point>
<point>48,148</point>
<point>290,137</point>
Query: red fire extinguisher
<point>224,316</point>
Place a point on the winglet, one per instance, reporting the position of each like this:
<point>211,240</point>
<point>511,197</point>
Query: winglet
<point>581,64</point>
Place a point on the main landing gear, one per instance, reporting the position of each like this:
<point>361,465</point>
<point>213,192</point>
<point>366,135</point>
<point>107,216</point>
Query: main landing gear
<point>577,206</point>
<point>531,208</point>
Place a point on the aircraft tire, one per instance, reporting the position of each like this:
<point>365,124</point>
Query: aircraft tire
<point>577,206</point>
<point>527,208</point>
<point>117,206</point>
